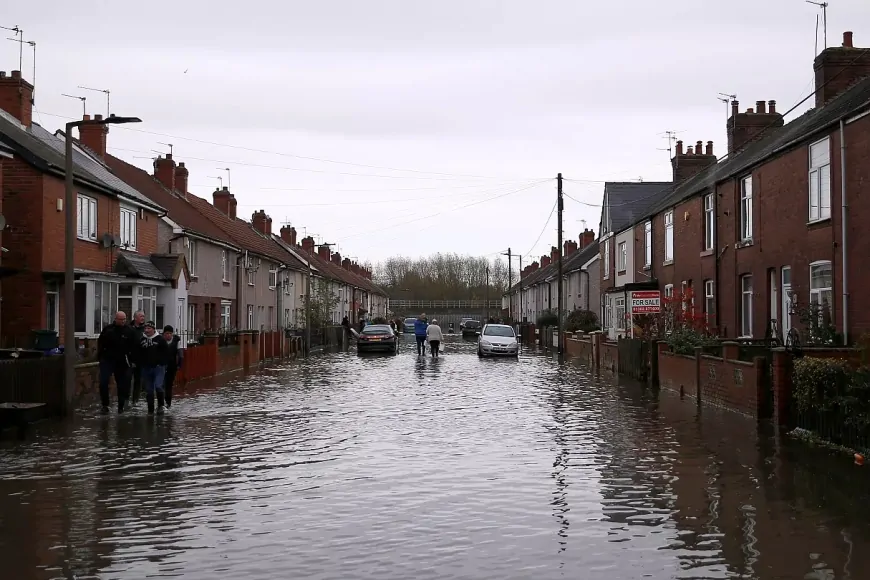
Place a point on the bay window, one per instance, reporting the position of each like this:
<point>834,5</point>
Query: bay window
<point>147,301</point>
<point>105,305</point>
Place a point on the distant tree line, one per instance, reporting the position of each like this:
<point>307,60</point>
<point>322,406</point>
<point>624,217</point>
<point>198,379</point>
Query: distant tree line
<point>443,277</point>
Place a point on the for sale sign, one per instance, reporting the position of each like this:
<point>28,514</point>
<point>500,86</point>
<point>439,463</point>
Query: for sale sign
<point>646,302</point>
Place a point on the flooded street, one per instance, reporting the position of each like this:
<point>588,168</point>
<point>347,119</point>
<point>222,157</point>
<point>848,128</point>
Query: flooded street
<point>341,467</point>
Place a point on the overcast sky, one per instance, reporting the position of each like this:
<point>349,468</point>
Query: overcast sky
<point>433,124</point>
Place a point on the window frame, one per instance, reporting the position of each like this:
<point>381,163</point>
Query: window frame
<point>619,306</point>
<point>818,292</point>
<point>225,266</point>
<point>746,223</point>
<point>226,316</point>
<point>606,258</point>
<point>709,221</point>
<point>250,317</point>
<point>820,170</point>
<point>192,257</point>
<point>146,301</point>
<point>90,203</point>
<point>647,242</point>
<point>709,298</point>
<point>128,237</point>
<point>668,219</point>
<point>52,311</point>
<point>273,279</point>
<point>746,319</point>
<point>621,257</point>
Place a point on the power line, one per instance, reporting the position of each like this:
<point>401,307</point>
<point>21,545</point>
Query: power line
<point>543,229</point>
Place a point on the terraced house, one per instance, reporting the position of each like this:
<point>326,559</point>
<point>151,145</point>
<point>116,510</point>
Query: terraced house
<point>777,225</point>
<point>118,264</point>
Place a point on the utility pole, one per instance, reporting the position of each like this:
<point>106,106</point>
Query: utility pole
<point>560,205</point>
<point>486,298</point>
<point>510,285</point>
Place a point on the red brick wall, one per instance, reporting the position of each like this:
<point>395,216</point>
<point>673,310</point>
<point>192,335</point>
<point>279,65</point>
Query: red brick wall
<point>678,373</point>
<point>229,359</point>
<point>580,349</point>
<point>609,356</point>
<point>732,384</point>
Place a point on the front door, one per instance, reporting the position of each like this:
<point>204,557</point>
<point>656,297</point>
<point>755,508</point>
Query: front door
<point>786,301</point>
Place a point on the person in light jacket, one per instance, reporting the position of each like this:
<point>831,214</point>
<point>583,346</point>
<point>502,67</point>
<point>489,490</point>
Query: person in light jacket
<point>435,336</point>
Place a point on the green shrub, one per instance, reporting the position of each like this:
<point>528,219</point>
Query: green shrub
<point>581,320</point>
<point>684,339</point>
<point>820,383</point>
<point>547,318</point>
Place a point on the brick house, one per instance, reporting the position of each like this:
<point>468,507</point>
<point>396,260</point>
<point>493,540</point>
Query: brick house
<point>762,233</point>
<point>5,153</point>
<point>116,230</point>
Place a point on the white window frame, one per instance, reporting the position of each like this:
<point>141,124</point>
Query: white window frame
<point>250,317</point>
<point>819,181</point>
<point>226,319</point>
<point>129,218</point>
<point>669,236</point>
<point>105,309</point>
<point>619,306</point>
<point>669,290</point>
<point>816,293</point>
<point>52,311</point>
<point>647,242</point>
<point>146,301</point>
<point>608,312</point>
<point>191,317</point>
<point>709,221</point>
<point>709,298</point>
<point>225,270</point>
<point>192,256</point>
<point>86,218</point>
<point>746,306</point>
<point>606,258</point>
<point>746,223</point>
<point>273,279</point>
<point>621,257</point>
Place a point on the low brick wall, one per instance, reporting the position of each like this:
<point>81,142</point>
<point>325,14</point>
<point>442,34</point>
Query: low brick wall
<point>609,356</point>
<point>580,349</point>
<point>678,372</point>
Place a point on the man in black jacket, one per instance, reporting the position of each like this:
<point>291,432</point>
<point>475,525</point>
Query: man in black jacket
<point>174,360</point>
<point>152,365</point>
<point>114,346</point>
<point>138,327</point>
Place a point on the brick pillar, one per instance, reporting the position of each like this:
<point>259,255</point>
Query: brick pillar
<point>596,350</point>
<point>211,341</point>
<point>730,350</point>
<point>698,351</point>
<point>245,337</point>
<point>657,346</point>
<point>760,371</point>
<point>255,346</point>
<point>782,385</point>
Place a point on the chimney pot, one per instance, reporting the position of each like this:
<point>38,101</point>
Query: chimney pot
<point>679,148</point>
<point>735,107</point>
<point>699,147</point>
<point>98,117</point>
<point>690,150</point>
<point>709,148</point>
<point>16,74</point>
<point>771,107</point>
<point>759,107</point>
<point>750,111</point>
<point>86,117</point>
<point>847,39</point>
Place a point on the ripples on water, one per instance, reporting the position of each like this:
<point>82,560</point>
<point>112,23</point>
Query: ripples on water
<point>403,468</point>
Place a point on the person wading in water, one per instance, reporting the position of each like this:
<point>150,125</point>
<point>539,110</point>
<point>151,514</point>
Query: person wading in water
<point>174,360</point>
<point>435,336</point>
<point>114,347</point>
<point>138,326</point>
<point>420,334</point>
<point>153,349</point>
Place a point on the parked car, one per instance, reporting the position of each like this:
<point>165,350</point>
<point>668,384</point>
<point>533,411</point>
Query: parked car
<point>498,339</point>
<point>470,328</point>
<point>462,323</point>
<point>409,325</point>
<point>377,338</point>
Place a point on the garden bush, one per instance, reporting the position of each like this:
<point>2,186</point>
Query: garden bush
<point>582,320</point>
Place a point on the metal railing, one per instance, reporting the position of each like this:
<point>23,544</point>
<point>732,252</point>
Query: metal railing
<point>459,304</point>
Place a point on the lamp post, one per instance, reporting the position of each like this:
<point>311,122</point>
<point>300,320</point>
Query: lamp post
<point>69,336</point>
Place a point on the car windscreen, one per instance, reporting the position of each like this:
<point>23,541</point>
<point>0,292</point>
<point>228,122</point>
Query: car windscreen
<point>472,324</point>
<point>410,320</point>
<point>499,331</point>
<point>377,330</point>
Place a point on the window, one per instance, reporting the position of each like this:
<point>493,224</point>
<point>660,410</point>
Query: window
<point>621,257</point>
<point>52,300</point>
<point>669,236</point>
<point>147,301</point>
<point>273,279</point>
<point>250,316</point>
<point>159,318</point>
<point>87,218</point>
<point>271,317</point>
<point>261,321</point>
<point>128,228</point>
<point>81,306</point>
<point>709,299</point>
<point>620,313</point>
<point>191,318</point>
<point>250,272</point>
<point>822,287</point>
<point>105,305</point>
<point>606,258</point>
<point>125,300</point>
<point>820,180</point>
<point>669,291</point>
<point>286,318</point>
<point>647,243</point>
<point>746,306</point>
<point>225,314</point>
<point>709,222</point>
<point>608,323</point>
<point>192,255</point>
<point>684,296</point>
<point>225,274</point>
<point>746,209</point>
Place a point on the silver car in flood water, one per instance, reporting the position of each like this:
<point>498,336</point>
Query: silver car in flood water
<point>498,340</point>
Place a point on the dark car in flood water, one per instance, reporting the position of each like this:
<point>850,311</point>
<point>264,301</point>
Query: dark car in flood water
<point>471,328</point>
<point>378,338</point>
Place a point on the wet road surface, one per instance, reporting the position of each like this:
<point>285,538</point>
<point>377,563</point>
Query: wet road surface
<point>397,467</point>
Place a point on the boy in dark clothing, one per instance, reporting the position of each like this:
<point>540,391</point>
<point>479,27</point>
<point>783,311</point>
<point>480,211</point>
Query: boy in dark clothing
<point>174,358</point>
<point>138,326</point>
<point>420,326</point>
<point>152,360</point>
<point>114,346</point>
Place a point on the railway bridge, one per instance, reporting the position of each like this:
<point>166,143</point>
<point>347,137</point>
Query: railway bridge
<point>447,311</point>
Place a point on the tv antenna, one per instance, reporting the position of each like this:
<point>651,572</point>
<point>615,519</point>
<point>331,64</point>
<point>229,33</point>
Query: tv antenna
<point>20,33</point>
<point>229,183</point>
<point>82,99</point>
<point>220,180</point>
<point>824,7</point>
<point>21,42</point>
<point>166,145</point>
<point>108,97</point>
<point>671,136</point>
<point>726,98</point>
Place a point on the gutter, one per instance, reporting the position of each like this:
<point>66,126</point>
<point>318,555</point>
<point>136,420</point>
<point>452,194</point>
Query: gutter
<point>843,210</point>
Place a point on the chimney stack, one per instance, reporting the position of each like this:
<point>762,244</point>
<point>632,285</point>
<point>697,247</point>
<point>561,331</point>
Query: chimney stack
<point>262,223</point>
<point>570,247</point>
<point>288,234</point>
<point>586,238</point>
<point>164,171</point>
<point>323,252</point>
<point>554,254</point>
<point>545,261</point>
<point>837,68</point>
<point>225,201</point>
<point>94,136</point>
<point>308,244</point>
<point>345,264</point>
<point>743,128</point>
<point>694,161</point>
<point>759,107</point>
<point>336,258</point>
<point>16,97</point>
<point>181,174</point>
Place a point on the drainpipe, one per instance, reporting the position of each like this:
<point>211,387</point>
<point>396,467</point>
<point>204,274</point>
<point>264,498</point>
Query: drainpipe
<point>843,208</point>
<point>239,262</point>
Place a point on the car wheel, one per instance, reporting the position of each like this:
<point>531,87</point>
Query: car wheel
<point>479,353</point>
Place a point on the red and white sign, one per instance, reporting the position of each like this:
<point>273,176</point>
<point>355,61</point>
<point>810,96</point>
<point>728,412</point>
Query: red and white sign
<point>646,302</point>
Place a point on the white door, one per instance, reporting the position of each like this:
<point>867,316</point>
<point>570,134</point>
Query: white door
<point>786,301</point>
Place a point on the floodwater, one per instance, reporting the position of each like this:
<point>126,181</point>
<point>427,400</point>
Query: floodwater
<point>397,467</point>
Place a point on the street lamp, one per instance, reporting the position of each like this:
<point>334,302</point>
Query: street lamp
<point>69,336</point>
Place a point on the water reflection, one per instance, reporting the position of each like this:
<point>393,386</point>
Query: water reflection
<point>408,467</point>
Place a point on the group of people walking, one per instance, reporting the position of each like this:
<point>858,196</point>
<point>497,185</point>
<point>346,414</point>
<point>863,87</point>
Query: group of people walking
<point>426,332</point>
<point>137,355</point>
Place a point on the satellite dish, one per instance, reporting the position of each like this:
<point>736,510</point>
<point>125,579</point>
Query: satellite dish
<point>2,222</point>
<point>108,240</point>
